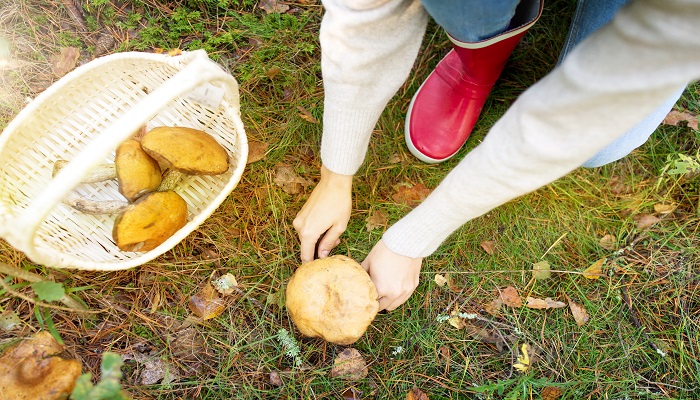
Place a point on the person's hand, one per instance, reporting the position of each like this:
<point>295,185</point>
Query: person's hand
<point>325,215</point>
<point>394,275</point>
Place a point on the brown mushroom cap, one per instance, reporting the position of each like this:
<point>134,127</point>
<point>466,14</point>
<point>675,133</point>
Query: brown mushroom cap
<point>137,172</point>
<point>150,221</point>
<point>332,298</point>
<point>33,370</point>
<point>188,150</point>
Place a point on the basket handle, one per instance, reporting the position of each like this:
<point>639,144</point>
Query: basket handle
<point>199,70</point>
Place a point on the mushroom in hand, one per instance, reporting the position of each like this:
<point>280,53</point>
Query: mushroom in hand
<point>332,298</point>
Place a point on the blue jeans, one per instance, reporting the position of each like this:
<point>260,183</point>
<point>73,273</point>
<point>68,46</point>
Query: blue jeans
<point>477,20</point>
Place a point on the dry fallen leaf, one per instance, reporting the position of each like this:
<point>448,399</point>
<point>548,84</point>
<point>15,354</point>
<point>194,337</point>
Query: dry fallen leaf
<point>349,365</point>
<point>207,304</point>
<point>416,394</point>
<point>664,208</point>
<point>273,72</point>
<point>351,394</point>
<point>33,369</point>
<point>525,358</point>
<point>645,220</point>
<point>276,379</point>
<point>64,62</point>
<point>551,393</point>
<point>493,306</point>
<point>580,314</point>
<point>175,52</point>
<point>674,117</point>
<point>273,6</point>
<point>410,195</point>
<point>541,270</point>
<point>154,369</point>
<point>440,280</point>
<point>608,242</point>
<point>539,304</point>
<point>617,187</point>
<point>306,115</point>
<point>289,181</point>
<point>256,151</point>
<point>489,246</point>
<point>376,219</point>
<point>510,297</point>
<point>595,270</point>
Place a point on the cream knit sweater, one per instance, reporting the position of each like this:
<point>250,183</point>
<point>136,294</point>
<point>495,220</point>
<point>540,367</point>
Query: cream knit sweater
<point>605,86</point>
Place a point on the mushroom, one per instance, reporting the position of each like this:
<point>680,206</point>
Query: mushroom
<point>150,221</point>
<point>32,369</point>
<point>332,298</point>
<point>137,172</point>
<point>188,150</point>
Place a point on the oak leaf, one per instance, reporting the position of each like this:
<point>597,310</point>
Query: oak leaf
<point>410,195</point>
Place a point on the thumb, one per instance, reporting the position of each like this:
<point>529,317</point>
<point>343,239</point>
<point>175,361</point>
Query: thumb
<point>325,245</point>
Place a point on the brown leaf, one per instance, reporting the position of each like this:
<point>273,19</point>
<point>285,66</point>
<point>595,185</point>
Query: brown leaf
<point>273,6</point>
<point>256,151</point>
<point>551,393</point>
<point>617,187</point>
<point>674,117</point>
<point>410,195</point>
<point>64,62</point>
<point>207,304</point>
<point>580,314</point>
<point>645,220</point>
<point>289,181</point>
<point>33,369</point>
<point>608,242</point>
<point>352,394</point>
<point>349,365</point>
<point>510,297</point>
<point>306,115</point>
<point>489,246</point>
<point>275,379</point>
<point>272,72</point>
<point>493,307</point>
<point>595,270</point>
<point>540,304</point>
<point>487,335</point>
<point>376,219</point>
<point>664,208</point>
<point>541,270</point>
<point>416,394</point>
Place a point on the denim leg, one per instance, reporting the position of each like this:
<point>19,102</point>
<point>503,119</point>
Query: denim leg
<point>472,20</point>
<point>588,17</point>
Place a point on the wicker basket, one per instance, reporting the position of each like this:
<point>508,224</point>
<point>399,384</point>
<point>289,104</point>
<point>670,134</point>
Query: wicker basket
<point>82,118</point>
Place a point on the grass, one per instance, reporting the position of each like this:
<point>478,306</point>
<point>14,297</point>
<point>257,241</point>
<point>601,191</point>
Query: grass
<point>144,311</point>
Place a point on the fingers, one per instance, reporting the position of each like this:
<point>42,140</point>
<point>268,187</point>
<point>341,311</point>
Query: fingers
<point>328,242</point>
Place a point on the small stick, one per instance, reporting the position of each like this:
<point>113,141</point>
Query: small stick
<point>635,320</point>
<point>41,303</point>
<point>32,277</point>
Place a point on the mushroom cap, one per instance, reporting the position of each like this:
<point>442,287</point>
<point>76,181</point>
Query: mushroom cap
<point>137,172</point>
<point>32,369</point>
<point>188,150</point>
<point>332,298</point>
<point>150,221</point>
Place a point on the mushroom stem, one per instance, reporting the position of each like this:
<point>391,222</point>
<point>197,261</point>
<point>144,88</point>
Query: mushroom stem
<point>170,180</point>
<point>94,207</point>
<point>101,173</point>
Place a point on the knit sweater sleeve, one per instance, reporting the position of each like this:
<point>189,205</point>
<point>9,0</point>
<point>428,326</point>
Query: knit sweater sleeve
<point>611,81</point>
<point>368,49</point>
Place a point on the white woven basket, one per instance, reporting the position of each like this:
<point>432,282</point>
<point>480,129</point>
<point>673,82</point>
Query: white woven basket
<point>82,118</point>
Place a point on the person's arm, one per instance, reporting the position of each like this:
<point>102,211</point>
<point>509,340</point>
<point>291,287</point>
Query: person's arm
<point>368,48</point>
<point>605,86</point>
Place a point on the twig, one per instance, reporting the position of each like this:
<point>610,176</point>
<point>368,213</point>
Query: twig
<point>635,320</point>
<point>32,277</point>
<point>41,303</point>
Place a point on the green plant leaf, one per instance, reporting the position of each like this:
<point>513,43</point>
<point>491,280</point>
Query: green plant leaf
<point>49,291</point>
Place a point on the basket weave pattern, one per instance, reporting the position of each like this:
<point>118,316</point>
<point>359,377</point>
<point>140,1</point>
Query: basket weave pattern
<point>66,120</point>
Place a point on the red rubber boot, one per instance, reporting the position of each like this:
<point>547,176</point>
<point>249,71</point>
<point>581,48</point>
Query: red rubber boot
<point>445,108</point>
